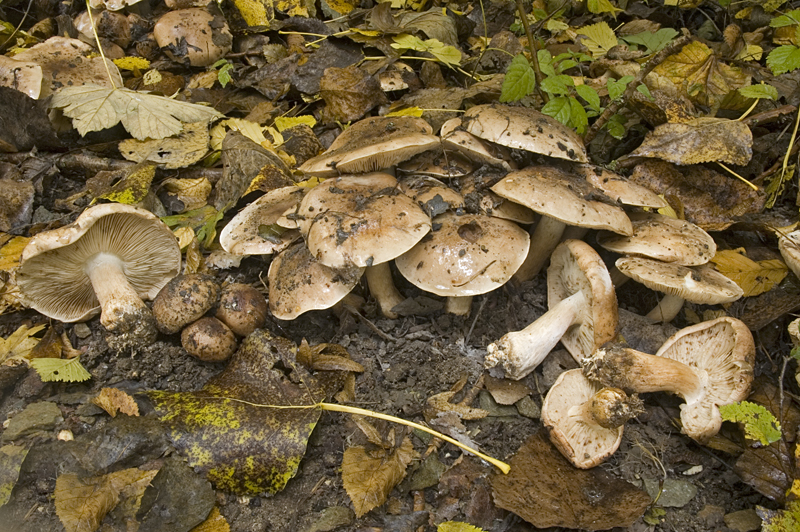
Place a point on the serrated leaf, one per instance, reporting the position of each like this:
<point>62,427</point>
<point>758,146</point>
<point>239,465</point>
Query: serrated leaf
<point>602,6</point>
<point>784,59</point>
<point>559,108</point>
<point>144,115</point>
<point>224,72</point>
<point>520,80</point>
<point>60,370</point>
<point>759,423</point>
<point>590,95</point>
<point>114,400</point>
<point>653,42</point>
<point>457,526</point>
<point>557,85</point>
<point>761,90</point>
<point>444,53</point>
<point>753,277</point>
<point>599,39</point>
<point>616,87</point>
<point>183,150</point>
<point>790,18</point>
<point>285,122</point>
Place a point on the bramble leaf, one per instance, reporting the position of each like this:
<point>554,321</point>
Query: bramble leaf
<point>599,39</point>
<point>784,59</point>
<point>520,80</point>
<point>653,42</point>
<point>616,87</point>
<point>759,423</point>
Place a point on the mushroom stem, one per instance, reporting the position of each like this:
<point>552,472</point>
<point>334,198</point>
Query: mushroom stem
<point>573,232</point>
<point>608,408</point>
<point>458,305</point>
<point>381,286</point>
<point>617,277</point>
<point>629,369</point>
<point>521,351</point>
<point>120,305</point>
<point>544,239</point>
<point>667,309</point>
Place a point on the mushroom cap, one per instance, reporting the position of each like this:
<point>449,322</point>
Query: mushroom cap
<point>584,444</point>
<point>23,76</point>
<point>437,164</point>
<point>242,308</point>
<point>480,199</point>
<point>207,37</point>
<point>51,274</point>
<point>433,196</point>
<point>524,129</point>
<point>360,221</point>
<point>789,246</point>
<point>722,353</point>
<point>565,197</point>
<point>373,144</point>
<point>663,238</point>
<point>299,283</point>
<point>621,189</point>
<point>209,339</point>
<point>465,255</point>
<point>455,139</point>
<point>241,236</point>
<point>184,299</point>
<point>575,266</point>
<point>701,284</point>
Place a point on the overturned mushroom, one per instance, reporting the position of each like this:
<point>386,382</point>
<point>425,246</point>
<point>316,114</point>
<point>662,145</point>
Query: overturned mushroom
<point>709,364</point>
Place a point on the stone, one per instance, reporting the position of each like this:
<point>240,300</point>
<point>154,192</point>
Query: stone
<point>711,515</point>
<point>743,520</point>
<point>40,416</point>
<point>330,519</point>
<point>527,407</point>
<point>486,402</point>
<point>674,493</point>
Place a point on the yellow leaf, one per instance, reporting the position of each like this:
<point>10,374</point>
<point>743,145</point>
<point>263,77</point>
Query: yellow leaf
<point>407,111</point>
<point>293,8</point>
<point>20,342</point>
<point>194,259</point>
<point>599,39</point>
<point>255,12</point>
<point>11,252</point>
<point>185,149</point>
<point>133,187</point>
<point>285,122</point>
<point>132,63</point>
<point>215,522</point>
<point>185,235</point>
<point>60,370</point>
<point>457,526</point>
<point>249,129</point>
<point>114,400</point>
<point>667,210</point>
<point>193,193</point>
<point>753,277</point>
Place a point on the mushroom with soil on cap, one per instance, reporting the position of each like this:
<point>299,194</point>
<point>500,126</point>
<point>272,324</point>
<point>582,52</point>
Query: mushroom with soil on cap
<point>562,199</point>
<point>702,284</point>
<point>242,308</point>
<point>109,259</point>
<point>709,365</point>
<point>184,299</point>
<point>363,221</point>
<point>375,143</point>
<point>464,256</point>
<point>585,420</point>
<point>194,34</point>
<point>583,313</point>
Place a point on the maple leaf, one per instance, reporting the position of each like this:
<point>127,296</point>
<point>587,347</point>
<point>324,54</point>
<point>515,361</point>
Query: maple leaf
<point>144,115</point>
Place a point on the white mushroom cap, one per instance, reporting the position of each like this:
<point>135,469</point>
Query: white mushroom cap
<point>23,76</point>
<point>299,283</point>
<point>241,236</point>
<point>455,139</point>
<point>568,412</point>
<point>465,255</point>
<point>525,129</point>
<point>663,238</point>
<point>789,246</point>
<point>621,189</point>
<point>372,144</point>
<point>360,221</point>
<point>438,164</point>
<point>433,196</point>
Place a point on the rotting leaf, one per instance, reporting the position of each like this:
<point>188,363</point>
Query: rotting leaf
<point>133,187</point>
<point>11,458</point>
<point>349,93</point>
<point>787,520</point>
<point>185,149</point>
<point>369,475</point>
<point>457,526</point>
<point>114,400</point>
<point>203,221</point>
<point>19,343</point>
<point>546,490</point>
<point>699,141</point>
<point>229,431</point>
<point>759,423</point>
<point>753,277</point>
<point>192,193</point>
<point>10,253</point>
<point>440,403</point>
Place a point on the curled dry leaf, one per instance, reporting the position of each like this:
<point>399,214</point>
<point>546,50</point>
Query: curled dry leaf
<point>114,400</point>
<point>440,403</point>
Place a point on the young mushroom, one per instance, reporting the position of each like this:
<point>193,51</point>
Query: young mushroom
<point>109,259</point>
<point>585,420</point>
<point>709,364</point>
<point>582,315</point>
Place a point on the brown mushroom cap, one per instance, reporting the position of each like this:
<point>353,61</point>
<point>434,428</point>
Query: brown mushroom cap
<point>465,255</point>
<point>525,129</point>
<point>242,308</point>
<point>209,339</point>
<point>360,221</point>
<point>243,235</point>
<point>480,199</point>
<point>207,37</point>
<point>621,189</point>
<point>373,144</point>
<point>299,283</point>
<point>456,140</point>
<point>437,164</point>
<point>663,238</point>
<point>183,300</point>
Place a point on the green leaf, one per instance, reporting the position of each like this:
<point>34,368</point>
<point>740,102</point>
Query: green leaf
<point>444,53</point>
<point>224,72</point>
<point>599,39</point>
<point>789,18</point>
<point>616,126</point>
<point>520,80</point>
<point>566,64</point>
<point>795,353</point>
<point>559,108</point>
<point>787,520</point>
<point>759,423</point>
<point>642,88</point>
<point>617,87</point>
<point>590,95</point>
<point>578,117</point>
<point>203,221</point>
<point>60,369</point>
<point>556,26</point>
<point>761,90</point>
<point>653,42</point>
<point>558,85</point>
<point>546,63</point>
<point>601,6</point>
<point>784,59</point>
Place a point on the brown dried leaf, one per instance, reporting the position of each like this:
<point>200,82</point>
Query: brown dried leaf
<point>193,193</point>
<point>114,400</point>
<point>369,475</point>
<point>505,391</point>
<point>11,251</point>
<point>699,141</point>
<point>335,359</point>
<point>546,490</point>
<point>440,403</point>
<point>349,93</point>
<point>215,522</point>
<point>185,149</point>
<point>769,470</point>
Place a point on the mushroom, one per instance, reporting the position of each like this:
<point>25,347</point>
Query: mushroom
<point>464,256</point>
<point>433,196</point>
<point>455,139</point>
<point>620,189</point>
<point>438,164</point>
<point>585,420</point>
<point>183,300</point>
<point>109,259</point>
<point>709,364</point>
<point>562,199</point>
<point>23,76</point>
<point>209,339</point>
<point>194,34</point>
<point>363,221</point>
<point>242,308</point>
<point>582,315</point>
<point>373,144</point>
<point>789,246</point>
<point>702,284</point>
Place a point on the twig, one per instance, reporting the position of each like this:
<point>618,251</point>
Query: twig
<point>769,116</point>
<point>648,67</point>
<point>532,45</point>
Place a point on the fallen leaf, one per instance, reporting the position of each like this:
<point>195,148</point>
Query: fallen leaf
<point>753,277</point>
<point>256,12</point>
<point>228,430</point>
<point>440,403</point>
<point>699,141</point>
<point>546,490</point>
<point>60,370</point>
<point>457,526</point>
<point>185,149</point>
<point>368,476</point>
<point>215,522</point>
<point>203,221</point>
<point>19,343</point>
<point>143,115</point>
<point>599,38</point>
<point>114,400</point>
<point>192,193</point>
<point>787,520</point>
<point>133,186</point>
<point>349,93</point>
<point>10,253</point>
<point>11,458</point>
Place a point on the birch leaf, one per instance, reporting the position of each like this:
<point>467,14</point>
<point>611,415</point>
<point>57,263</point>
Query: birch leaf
<point>144,115</point>
<point>61,370</point>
